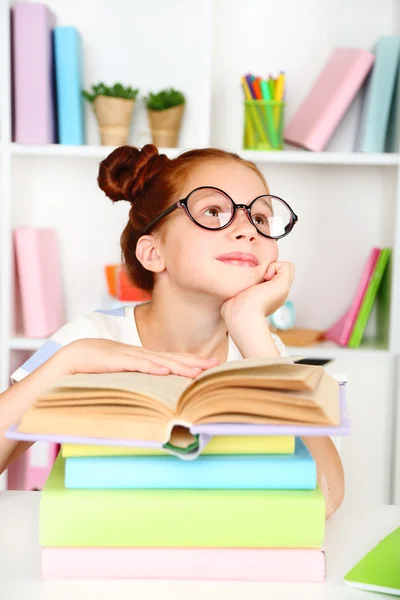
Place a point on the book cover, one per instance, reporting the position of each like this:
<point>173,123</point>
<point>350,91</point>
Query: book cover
<point>232,564</point>
<point>340,331</point>
<point>379,570</point>
<point>374,115</point>
<point>179,518</point>
<point>240,444</point>
<point>369,298</point>
<point>332,93</point>
<point>68,58</point>
<point>33,74</point>
<point>40,280</point>
<point>263,472</point>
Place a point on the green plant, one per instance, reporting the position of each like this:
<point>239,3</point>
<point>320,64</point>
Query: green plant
<point>116,91</point>
<point>164,99</point>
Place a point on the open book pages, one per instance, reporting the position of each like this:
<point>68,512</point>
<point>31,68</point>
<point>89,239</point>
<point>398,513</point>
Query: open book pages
<point>163,408</point>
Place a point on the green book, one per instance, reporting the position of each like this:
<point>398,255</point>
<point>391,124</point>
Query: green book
<point>369,298</point>
<point>379,570</point>
<point>179,518</point>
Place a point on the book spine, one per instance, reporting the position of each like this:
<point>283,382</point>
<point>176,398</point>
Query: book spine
<point>39,281</point>
<point>33,74</point>
<point>232,564</point>
<point>370,295</point>
<point>69,83</point>
<point>211,472</point>
<point>340,102</point>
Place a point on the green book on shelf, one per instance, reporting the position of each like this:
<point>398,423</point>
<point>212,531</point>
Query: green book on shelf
<point>178,518</point>
<point>369,298</point>
<point>379,570</point>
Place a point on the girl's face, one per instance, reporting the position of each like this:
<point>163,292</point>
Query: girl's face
<point>193,256</point>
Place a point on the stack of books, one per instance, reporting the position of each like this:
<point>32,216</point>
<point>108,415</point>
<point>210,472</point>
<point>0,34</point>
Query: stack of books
<point>243,504</point>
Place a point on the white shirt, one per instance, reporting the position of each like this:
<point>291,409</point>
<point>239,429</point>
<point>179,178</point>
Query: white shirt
<point>118,324</point>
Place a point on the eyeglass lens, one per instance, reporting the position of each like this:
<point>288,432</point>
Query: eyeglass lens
<point>213,209</point>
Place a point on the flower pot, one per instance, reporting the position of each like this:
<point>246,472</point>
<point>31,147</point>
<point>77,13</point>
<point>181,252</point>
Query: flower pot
<point>114,116</point>
<point>165,126</point>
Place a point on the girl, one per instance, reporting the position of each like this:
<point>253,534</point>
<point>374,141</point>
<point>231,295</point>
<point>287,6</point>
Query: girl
<point>202,238</point>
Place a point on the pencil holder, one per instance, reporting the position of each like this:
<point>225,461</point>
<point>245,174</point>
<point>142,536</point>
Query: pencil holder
<point>263,124</point>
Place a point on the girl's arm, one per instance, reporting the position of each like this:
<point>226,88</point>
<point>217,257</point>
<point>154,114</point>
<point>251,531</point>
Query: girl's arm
<point>253,338</point>
<point>15,401</point>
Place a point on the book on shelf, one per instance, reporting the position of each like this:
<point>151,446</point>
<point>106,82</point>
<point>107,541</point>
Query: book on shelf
<point>273,391</point>
<point>340,331</point>
<point>378,95</point>
<point>382,264</point>
<point>34,110</point>
<point>333,91</point>
<point>68,59</point>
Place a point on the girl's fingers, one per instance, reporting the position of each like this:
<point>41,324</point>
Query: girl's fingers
<point>161,362</point>
<point>186,359</point>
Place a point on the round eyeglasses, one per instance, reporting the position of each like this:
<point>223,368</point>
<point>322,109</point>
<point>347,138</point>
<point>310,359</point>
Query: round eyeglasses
<point>212,209</point>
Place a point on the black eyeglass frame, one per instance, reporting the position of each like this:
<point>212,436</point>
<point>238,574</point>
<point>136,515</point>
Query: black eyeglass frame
<point>183,203</point>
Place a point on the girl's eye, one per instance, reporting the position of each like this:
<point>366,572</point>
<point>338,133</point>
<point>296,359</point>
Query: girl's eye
<point>211,211</point>
<point>260,220</point>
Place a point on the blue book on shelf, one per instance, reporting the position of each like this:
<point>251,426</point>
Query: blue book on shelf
<point>68,58</point>
<point>377,97</point>
<point>240,471</point>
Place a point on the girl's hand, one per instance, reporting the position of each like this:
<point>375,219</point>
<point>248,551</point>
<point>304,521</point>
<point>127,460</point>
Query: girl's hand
<point>265,297</point>
<point>107,356</point>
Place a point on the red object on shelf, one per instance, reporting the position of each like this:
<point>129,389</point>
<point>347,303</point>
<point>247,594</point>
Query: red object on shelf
<point>120,286</point>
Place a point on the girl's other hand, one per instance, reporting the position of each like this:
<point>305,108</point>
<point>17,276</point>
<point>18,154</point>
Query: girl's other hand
<point>107,356</point>
<point>263,298</point>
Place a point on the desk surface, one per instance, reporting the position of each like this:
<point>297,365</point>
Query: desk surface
<point>350,533</point>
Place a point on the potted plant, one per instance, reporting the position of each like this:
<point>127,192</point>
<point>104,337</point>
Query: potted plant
<point>113,107</point>
<point>165,110</point>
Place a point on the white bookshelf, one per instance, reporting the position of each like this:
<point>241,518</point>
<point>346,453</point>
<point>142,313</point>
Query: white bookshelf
<point>346,201</point>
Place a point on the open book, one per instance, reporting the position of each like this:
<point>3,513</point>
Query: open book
<point>163,408</point>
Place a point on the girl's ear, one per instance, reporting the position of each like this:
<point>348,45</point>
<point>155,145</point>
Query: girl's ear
<point>148,254</point>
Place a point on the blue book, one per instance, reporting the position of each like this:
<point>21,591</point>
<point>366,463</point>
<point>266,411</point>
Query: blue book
<point>68,59</point>
<point>377,96</point>
<point>234,471</point>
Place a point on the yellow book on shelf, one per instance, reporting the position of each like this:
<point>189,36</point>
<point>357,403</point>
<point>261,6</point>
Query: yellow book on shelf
<point>227,444</point>
<point>164,408</point>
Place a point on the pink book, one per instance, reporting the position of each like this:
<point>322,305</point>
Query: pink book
<point>30,470</point>
<point>335,88</point>
<point>39,280</point>
<point>32,65</point>
<point>283,565</point>
<point>340,331</point>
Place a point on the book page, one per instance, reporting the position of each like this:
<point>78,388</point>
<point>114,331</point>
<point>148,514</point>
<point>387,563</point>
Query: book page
<point>157,389</point>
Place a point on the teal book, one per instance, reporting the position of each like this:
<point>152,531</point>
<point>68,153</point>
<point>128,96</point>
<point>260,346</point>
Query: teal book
<point>392,143</point>
<point>379,570</point>
<point>377,96</point>
<point>369,298</point>
<point>68,59</point>
<point>232,471</point>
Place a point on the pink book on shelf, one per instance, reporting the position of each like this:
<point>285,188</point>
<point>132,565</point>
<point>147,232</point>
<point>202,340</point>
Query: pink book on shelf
<point>39,280</point>
<point>261,564</point>
<point>335,88</point>
<point>341,330</point>
<point>30,470</point>
<point>33,74</point>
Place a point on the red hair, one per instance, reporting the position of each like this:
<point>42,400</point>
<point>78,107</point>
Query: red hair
<point>150,182</point>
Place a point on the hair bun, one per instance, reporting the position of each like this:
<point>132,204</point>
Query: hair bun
<point>125,172</point>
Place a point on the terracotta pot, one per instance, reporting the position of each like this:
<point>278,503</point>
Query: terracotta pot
<point>165,126</point>
<point>114,116</point>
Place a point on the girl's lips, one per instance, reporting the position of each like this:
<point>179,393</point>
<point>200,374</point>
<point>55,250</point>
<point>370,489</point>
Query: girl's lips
<point>239,259</point>
<point>237,263</point>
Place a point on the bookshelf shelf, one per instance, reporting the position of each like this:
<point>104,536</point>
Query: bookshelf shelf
<point>286,157</point>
